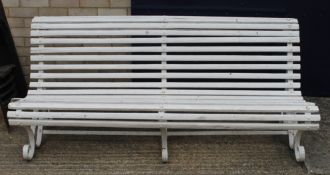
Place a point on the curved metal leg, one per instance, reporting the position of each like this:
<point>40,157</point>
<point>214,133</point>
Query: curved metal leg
<point>299,150</point>
<point>39,135</point>
<point>291,134</point>
<point>33,128</point>
<point>164,145</point>
<point>28,149</point>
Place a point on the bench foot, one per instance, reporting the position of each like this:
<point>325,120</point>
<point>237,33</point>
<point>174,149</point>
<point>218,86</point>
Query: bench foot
<point>164,145</point>
<point>299,150</point>
<point>28,149</point>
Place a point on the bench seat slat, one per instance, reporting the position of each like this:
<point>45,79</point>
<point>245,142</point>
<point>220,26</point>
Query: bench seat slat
<point>174,101</point>
<point>157,107</point>
<point>159,97</point>
<point>179,125</point>
<point>202,102</point>
<point>166,116</point>
<point>169,133</point>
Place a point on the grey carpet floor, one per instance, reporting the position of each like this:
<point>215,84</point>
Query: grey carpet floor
<point>187,155</point>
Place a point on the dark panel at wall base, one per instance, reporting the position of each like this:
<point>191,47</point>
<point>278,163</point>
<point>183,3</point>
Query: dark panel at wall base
<point>209,7</point>
<point>313,16</point>
<point>8,54</point>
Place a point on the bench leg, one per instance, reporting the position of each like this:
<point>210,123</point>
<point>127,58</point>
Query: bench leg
<point>164,144</point>
<point>292,133</point>
<point>38,135</point>
<point>28,149</point>
<point>37,131</point>
<point>299,150</point>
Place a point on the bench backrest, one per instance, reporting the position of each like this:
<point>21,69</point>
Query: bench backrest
<point>165,55</point>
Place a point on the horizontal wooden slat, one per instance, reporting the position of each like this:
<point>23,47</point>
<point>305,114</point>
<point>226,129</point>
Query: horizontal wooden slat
<point>157,133</point>
<point>168,99</point>
<point>178,101</point>
<point>167,75</point>
<point>252,85</point>
<point>172,98</point>
<point>98,106</point>
<point>166,116</point>
<point>164,40</point>
<point>200,19</point>
<point>166,92</point>
<point>51,33</point>
<point>166,67</point>
<point>162,25</point>
<point>162,58</point>
<point>165,49</point>
<point>162,97</point>
<point>175,101</point>
<point>179,125</point>
<point>137,99</point>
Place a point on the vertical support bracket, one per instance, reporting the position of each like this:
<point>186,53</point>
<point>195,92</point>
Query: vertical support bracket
<point>163,131</point>
<point>164,144</point>
<point>290,70</point>
<point>39,129</point>
<point>38,135</point>
<point>294,135</point>
<point>291,134</point>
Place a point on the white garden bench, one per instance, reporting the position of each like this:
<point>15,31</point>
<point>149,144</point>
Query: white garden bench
<point>164,76</point>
